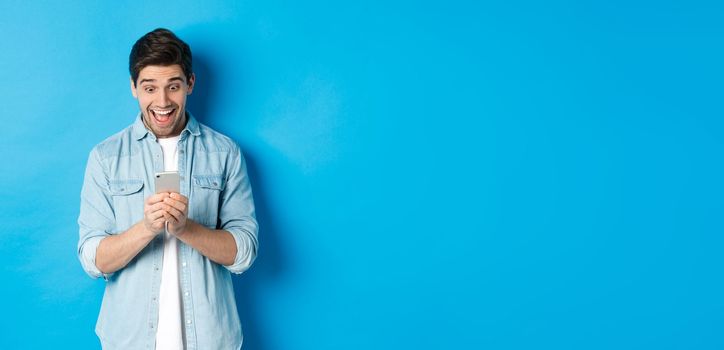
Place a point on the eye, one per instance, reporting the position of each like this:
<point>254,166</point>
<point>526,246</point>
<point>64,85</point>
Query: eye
<point>173,87</point>
<point>148,89</point>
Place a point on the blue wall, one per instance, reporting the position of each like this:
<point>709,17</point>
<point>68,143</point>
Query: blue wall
<point>451,175</point>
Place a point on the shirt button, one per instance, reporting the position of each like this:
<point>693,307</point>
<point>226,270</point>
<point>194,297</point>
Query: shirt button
<point>188,321</point>
<point>183,264</point>
<point>186,294</point>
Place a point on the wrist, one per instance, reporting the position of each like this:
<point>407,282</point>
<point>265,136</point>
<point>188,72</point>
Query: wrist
<point>185,231</point>
<point>146,231</point>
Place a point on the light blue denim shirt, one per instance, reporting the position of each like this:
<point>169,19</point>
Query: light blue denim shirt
<point>118,178</point>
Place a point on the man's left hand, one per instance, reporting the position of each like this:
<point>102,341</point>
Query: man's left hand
<point>176,206</point>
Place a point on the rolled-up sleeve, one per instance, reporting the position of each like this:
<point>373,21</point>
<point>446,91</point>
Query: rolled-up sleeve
<point>96,219</point>
<point>236,213</point>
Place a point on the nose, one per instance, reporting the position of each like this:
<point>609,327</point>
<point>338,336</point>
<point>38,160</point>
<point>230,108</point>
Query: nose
<point>163,100</point>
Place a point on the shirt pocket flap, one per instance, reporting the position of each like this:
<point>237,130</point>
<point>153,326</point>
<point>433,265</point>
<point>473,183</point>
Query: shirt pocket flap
<point>213,182</point>
<point>125,187</point>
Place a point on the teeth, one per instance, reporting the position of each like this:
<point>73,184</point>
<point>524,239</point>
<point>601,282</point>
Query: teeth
<point>162,112</point>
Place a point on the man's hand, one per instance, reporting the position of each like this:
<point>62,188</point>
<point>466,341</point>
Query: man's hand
<point>175,208</point>
<point>154,213</point>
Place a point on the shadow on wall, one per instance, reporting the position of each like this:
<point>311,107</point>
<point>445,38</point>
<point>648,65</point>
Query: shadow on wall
<point>269,263</point>
<point>268,266</point>
<point>199,100</point>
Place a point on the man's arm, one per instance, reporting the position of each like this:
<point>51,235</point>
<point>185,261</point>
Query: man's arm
<point>217,245</point>
<point>237,214</point>
<point>116,251</point>
<point>100,252</point>
<point>97,219</point>
<point>234,245</point>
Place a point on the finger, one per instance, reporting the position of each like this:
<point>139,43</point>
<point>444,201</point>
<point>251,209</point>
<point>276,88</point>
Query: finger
<point>177,214</point>
<point>149,208</point>
<point>160,220</point>
<point>154,215</point>
<point>156,207</point>
<point>159,214</point>
<point>158,197</point>
<point>171,219</point>
<point>159,224</point>
<point>176,204</point>
<point>179,197</point>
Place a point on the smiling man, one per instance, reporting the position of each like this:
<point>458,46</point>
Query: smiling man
<point>166,257</point>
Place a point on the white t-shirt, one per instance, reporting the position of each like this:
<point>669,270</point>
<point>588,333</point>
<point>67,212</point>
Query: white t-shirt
<point>169,335</point>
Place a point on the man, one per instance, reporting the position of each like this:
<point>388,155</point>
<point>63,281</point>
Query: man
<point>166,257</point>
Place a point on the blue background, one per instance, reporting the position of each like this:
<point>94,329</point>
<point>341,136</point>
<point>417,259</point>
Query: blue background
<point>429,175</point>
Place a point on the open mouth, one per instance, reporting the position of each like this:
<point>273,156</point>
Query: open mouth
<point>163,116</point>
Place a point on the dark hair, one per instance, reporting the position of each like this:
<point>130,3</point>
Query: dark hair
<point>160,47</point>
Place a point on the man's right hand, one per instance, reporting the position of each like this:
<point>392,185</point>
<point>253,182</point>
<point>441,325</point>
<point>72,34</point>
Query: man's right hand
<point>115,251</point>
<point>153,218</point>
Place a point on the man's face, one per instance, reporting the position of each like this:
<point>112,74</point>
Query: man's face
<point>161,92</point>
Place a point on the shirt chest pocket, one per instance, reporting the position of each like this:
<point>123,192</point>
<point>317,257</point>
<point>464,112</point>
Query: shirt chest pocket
<point>127,197</point>
<point>205,205</point>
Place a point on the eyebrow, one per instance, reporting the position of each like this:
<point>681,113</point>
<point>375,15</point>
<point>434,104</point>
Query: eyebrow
<point>154,80</point>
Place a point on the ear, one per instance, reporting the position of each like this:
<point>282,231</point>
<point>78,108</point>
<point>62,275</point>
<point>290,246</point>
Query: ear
<point>192,81</point>
<point>133,89</point>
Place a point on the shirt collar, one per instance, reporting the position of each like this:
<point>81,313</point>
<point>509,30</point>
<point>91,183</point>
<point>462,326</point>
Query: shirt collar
<point>140,131</point>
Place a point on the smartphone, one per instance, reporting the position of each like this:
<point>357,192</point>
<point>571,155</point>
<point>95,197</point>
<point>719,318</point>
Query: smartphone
<point>168,181</point>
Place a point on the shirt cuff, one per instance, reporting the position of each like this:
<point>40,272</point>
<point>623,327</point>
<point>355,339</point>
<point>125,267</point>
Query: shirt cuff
<point>246,247</point>
<point>88,257</point>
